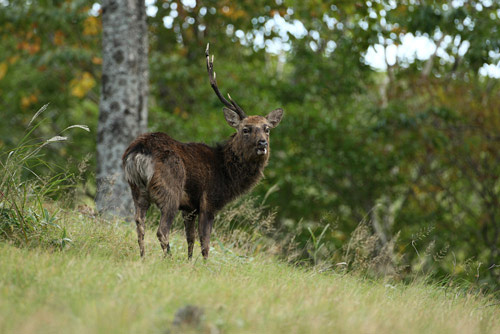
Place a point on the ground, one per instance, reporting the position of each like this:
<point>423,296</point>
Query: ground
<point>99,284</point>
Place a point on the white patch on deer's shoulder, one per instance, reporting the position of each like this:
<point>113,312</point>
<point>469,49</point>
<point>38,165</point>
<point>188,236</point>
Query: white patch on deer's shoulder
<point>139,169</point>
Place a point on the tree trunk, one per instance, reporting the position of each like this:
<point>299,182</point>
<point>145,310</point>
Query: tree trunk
<point>123,103</point>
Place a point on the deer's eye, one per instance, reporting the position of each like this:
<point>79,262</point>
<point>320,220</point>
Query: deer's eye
<point>266,130</point>
<point>246,130</point>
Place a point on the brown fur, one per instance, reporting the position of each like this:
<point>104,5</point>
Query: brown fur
<point>195,178</point>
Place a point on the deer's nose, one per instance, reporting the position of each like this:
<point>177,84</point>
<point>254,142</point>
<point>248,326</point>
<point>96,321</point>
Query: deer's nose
<point>262,143</point>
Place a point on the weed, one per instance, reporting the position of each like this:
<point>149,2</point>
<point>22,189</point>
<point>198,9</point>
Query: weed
<point>23,192</point>
<point>317,243</point>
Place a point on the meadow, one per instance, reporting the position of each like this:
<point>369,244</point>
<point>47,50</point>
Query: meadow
<point>97,283</point>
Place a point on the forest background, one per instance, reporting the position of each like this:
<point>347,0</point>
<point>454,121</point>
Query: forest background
<point>400,160</point>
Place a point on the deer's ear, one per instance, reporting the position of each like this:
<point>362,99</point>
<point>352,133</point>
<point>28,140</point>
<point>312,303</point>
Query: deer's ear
<point>274,117</point>
<point>232,118</point>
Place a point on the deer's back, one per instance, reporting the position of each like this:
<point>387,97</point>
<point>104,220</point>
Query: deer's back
<point>187,168</point>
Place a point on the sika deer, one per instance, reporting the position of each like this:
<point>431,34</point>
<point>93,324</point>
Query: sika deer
<point>193,177</point>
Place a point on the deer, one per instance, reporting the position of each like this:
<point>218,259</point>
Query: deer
<point>195,178</point>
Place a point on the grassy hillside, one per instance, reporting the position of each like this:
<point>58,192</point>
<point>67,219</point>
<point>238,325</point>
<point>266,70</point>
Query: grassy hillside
<point>98,284</point>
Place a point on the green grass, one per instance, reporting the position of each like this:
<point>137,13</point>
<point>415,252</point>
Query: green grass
<point>98,284</point>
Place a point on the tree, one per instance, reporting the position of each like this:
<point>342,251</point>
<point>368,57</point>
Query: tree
<point>123,103</point>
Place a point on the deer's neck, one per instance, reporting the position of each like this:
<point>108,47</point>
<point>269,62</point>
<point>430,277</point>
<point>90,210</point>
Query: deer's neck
<point>241,173</point>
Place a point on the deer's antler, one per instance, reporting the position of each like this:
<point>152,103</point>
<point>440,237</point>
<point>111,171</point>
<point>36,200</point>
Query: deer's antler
<point>231,104</point>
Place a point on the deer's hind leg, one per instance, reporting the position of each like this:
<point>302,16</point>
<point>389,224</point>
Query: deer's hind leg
<point>189,226</point>
<point>166,190</point>
<point>205,223</point>
<point>141,203</point>
<point>167,218</point>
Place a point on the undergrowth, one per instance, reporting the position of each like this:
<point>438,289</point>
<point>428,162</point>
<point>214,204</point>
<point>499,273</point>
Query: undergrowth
<point>24,218</point>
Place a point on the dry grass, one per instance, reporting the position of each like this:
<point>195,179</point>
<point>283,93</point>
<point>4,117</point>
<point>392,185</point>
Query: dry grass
<point>98,284</point>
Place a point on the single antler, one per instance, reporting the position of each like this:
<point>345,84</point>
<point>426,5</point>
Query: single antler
<point>231,104</point>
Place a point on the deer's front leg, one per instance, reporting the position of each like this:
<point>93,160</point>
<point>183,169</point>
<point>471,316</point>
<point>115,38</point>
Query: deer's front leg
<point>206,220</point>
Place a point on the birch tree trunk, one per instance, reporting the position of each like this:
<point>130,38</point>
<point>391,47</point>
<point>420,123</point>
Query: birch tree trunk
<point>123,102</point>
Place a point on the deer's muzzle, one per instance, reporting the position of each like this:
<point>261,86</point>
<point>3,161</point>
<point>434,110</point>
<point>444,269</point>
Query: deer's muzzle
<point>262,147</point>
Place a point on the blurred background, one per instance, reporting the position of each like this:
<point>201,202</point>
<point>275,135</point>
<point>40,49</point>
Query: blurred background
<point>391,134</point>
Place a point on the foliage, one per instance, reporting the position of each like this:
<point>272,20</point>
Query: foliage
<point>50,54</point>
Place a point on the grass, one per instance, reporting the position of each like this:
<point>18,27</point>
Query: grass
<point>26,180</point>
<point>98,284</point>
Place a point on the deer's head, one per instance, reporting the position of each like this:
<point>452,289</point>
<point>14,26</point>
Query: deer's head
<point>252,136</point>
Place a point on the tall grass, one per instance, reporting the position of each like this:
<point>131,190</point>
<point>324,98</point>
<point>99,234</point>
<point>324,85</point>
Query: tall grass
<point>100,276</point>
<point>24,217</point>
